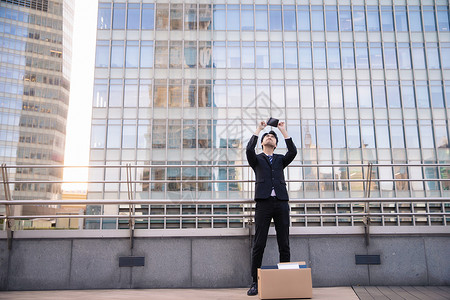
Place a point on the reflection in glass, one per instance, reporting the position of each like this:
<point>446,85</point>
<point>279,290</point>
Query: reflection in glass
<point>117,54</point>
<point>190,53</point>
<point>275,18</point>
<point>161,54</point>
<point>174,134</point>
<point>132,54</point>
<point>190,17</point>
<point>233,19</point>
<point>261,20</point>
<point>175,53</point>
<point>148,16</point>
<point>162,16</point>
<point>133,16</point>
<point>159,134</point>
<point>119,16</point>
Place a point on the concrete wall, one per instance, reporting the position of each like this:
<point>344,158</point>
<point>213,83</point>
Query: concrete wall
<point>206,262</point>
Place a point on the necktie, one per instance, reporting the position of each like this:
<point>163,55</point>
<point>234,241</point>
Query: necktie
<point>270,159</point>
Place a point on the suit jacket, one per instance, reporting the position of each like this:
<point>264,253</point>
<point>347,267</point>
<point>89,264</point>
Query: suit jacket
<point>270,175</point>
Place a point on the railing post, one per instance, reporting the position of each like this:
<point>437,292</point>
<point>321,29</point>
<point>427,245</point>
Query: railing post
<point>9,225</point>
<point>131,206</point>
<point>366,218</point>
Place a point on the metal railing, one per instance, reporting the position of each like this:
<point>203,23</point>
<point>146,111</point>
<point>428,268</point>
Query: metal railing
<point>431,208</point>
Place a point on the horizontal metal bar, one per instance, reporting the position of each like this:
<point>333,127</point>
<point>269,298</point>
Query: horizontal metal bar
<point>218,216</point>
<point>230,166</point>
<point>186,181</point>
<point>215,201</point>
<point>215,232</point>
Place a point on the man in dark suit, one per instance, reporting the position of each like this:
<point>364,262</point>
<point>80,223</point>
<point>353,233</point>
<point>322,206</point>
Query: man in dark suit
<point>271,195</point>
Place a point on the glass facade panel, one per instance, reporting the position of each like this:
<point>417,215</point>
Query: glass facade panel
<point>202,76</point>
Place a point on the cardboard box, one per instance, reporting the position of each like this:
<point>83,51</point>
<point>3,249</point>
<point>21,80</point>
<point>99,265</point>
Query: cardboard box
<point>284,283</point>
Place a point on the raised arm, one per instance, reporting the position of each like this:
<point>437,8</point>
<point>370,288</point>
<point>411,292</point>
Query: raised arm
<point>251,154</point>
<point>292,149</point>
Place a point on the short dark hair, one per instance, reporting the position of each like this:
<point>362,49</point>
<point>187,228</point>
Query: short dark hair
<point>272,133</point>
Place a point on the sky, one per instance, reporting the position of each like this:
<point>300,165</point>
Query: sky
<point>81,81</point>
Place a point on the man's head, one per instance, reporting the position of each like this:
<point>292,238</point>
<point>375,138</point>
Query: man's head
<point>269,139</point>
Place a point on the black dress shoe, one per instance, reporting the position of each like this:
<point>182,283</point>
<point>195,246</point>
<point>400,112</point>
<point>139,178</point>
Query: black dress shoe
<point>253,291</point>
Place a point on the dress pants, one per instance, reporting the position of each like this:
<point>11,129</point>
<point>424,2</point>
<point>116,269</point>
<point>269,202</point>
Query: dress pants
<point>266,209</point>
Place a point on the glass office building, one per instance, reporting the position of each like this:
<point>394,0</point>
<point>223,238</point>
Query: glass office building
<point>357,82</point>
<point>35,52</point>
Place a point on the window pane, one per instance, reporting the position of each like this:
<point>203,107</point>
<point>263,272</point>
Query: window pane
<point>102,56</point>
<point>350,96</point>
<point>428,19</point>
<point>422,96</point>
<point>162,17</point>
<point>415,19</point>
<point>247,20</point>
<point>275,18</point>
<point>433,58</point>
<point>317,18</point>
<point>443,18</point>
<point>412,137</point>
<point>291,58</point>
<point>100,95</point>
<point>148,17</point>
<point>132,55</point>
<point>362,57</point>
<point>331,18</point>
<point>353,136</point>
<point>379,96</point>
<point>373,20</point>
<point>408,98</point>
<point>393,96</point>
<point>233,19</point>
<point>129,136</point>
<point>319,57</point>
<point>219,17</point>
<point>190,17</point>
<point>418,56</point>
<point>338,133</point>
<point>387,22</point>
<point>390,58</point>
<point>117,55</point>
<point>104,16</point>
<point>334,61</point>
<point>190,54</point>
<point>305,58</point>
<point>131,95</point>
<point>98,134</point>
<point>348,60</point>
<point>345,18</point>
<point>233,57</point>
<point>382,133</point>
<point>397,139</point>
<point>401,22</point>
<point>323,136</point>
<point>146,54</point>
<point>133,17</point>
<point>114,136</point>
<point>219,55</point>
<point>376,58</point>
<point>276,57</point>
<point>289,20</point>
<point>368,136</point>
<point>426,136</point>
<point>303,18</point>
<point>144,138</point>
<point>115,95</point>
<point>262,57</point>
<point>359,19</point>
<point>336,96</point>
<point>404,58</point>
<point>248,57</point>
<point>437,96</point>
<point>261,17</point>
<point>119,16</point>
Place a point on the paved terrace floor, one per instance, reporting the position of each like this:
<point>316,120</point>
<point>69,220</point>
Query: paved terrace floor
<point>330,293</point>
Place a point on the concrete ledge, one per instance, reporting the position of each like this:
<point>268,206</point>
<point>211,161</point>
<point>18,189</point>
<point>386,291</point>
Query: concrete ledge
<point>217,262</point>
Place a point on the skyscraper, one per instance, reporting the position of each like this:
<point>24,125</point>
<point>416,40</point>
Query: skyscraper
<point>35,51</point>
<point>186,83</point>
